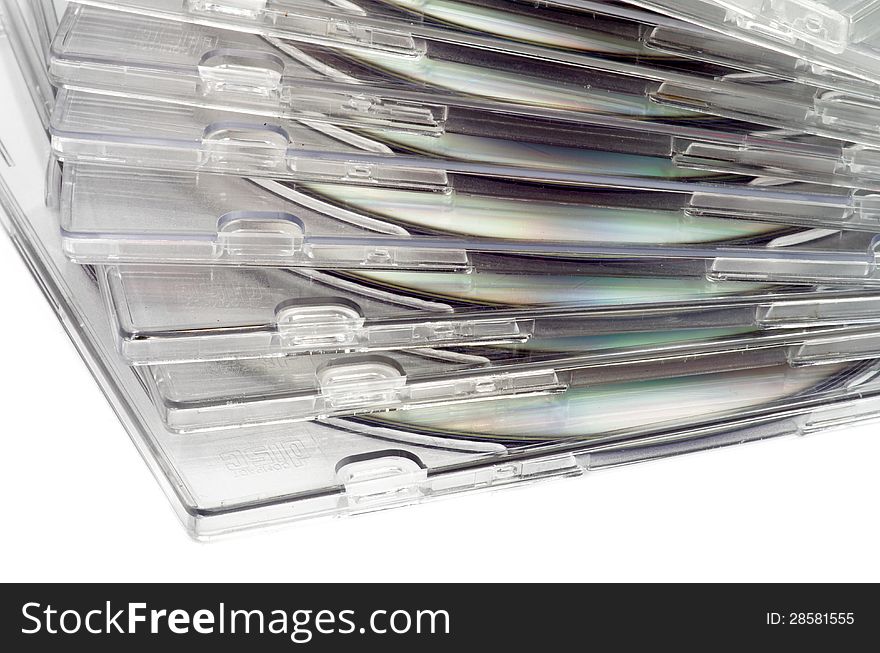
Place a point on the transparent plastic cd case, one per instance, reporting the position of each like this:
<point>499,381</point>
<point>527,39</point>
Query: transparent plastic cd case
<point>599,58</point>
<point>206,396</point>
<point>126,215</point>
<point>185,314</point>
<point>140,133</point>
<point>117,54</point>
<point>220,482</point>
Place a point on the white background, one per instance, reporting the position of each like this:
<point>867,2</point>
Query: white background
<point>79,504</point>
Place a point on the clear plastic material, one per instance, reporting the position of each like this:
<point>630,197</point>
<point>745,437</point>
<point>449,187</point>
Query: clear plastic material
<point>22,28</point>
<point>121,215</point>
<point>409,28</point>
<point>609,60</point>
<point>206,396</point>
<point>174,314</point>
<point>98,129</point>
<point>114,53</point>
<point>110,215</point>
<point>815,32</point>
<point>226,481</point>
<point>828,24</point>
<point>138,133</point>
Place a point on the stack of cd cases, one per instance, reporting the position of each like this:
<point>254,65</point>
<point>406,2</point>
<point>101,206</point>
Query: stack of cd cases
<point>331,256</point>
